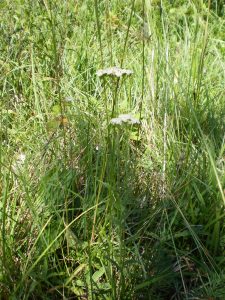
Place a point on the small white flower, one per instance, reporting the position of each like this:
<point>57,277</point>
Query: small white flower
<point>69,99</point>
<point>125,119</point>
<point>21,158</point>
<point>113,71</point>
<point>116,121</point>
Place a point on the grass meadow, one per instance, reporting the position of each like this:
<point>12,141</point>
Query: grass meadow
<point>112,149</point>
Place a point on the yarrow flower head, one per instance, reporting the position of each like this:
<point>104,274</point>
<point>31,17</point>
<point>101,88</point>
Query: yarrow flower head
<point>114,72</point>
<point>125,119</point>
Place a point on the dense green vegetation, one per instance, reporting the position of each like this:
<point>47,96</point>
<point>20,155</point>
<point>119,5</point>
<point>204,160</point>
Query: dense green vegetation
<point>112,187</point>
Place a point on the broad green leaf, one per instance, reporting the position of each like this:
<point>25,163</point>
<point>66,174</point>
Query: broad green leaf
<point>98,274</point>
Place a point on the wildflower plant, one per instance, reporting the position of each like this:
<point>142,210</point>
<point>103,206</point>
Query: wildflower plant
<point>116,74</point>
<point>125,128</point>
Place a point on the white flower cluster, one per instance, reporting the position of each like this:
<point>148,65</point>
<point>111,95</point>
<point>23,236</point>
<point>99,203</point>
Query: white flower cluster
<point>125,119</point>
<point>113,71</point>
